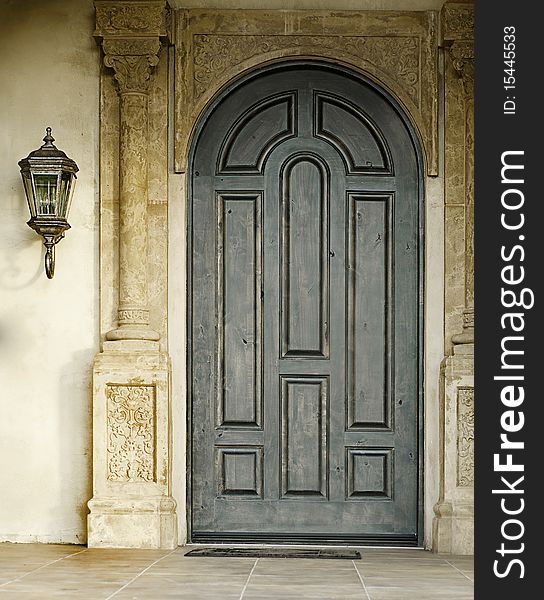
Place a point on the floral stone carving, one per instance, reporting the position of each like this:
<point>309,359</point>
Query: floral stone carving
<point>458,21</point>
<point>465,437</point>
<point>131,433</point>
<point>399,57</point>
<point>127,17</point>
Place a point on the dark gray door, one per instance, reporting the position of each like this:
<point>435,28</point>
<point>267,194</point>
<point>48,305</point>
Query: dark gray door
<point>304,334</point>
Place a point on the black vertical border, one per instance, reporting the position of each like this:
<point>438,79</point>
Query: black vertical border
<point>495,133</point>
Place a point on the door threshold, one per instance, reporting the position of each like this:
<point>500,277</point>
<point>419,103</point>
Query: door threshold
<point>292,539</point>
<point>302,546</point>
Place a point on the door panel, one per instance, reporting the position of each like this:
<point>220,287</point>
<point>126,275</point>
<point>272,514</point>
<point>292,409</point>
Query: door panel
<point>304,326</point>
<point>238,303</point>
<point>368,293</point>
<point>304,257</point>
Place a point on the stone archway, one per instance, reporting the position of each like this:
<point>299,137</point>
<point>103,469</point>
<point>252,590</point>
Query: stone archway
<point>133,502</point>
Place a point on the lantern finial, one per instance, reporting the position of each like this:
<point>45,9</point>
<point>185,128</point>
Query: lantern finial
<point>48,139</point>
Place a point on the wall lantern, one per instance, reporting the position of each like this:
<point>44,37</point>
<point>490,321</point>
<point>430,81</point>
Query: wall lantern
<point>49,179</point>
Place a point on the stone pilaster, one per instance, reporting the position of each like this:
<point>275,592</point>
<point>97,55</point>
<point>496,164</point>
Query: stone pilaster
<point>132,505</point>
<point>453,527</point>
<point>462,58</point>
<point>132,59</point>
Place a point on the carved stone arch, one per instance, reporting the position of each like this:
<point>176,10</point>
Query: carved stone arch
<point>397,51</point>
<point>335,65</point>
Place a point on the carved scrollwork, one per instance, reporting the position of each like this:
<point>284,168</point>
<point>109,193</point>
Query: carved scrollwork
<point>132,73</point>
<point>465,437</point>
<point>126,17</point>
<point>458,21</point>
<point>130,34</point>
<point>132,61</point>
<point>397,50</point>
<point>399,57</point>
<point>131,433</point>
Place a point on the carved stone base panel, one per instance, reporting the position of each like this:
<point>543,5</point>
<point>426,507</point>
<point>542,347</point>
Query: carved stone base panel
<point>396,49</point>
<point>453,526</point>
<point>132,505</point>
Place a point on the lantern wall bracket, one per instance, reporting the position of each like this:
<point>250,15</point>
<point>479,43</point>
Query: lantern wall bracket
<point>52,232</point>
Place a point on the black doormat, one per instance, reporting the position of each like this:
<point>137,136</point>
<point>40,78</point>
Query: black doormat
<point>276,553</point>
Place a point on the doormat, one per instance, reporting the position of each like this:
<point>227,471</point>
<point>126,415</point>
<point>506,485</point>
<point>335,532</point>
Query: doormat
<point>276,553</point>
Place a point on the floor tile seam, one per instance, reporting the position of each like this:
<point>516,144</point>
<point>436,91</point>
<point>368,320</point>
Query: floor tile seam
<point>457,569</point>
<point>361,580</point>
<point>140,574</point>
<point>52,562</point>
<point>248,578</point>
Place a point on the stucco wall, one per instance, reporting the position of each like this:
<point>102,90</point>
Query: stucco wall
<point>49,69</point>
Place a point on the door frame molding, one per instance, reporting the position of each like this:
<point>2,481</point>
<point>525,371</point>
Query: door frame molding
<point>418,144</point>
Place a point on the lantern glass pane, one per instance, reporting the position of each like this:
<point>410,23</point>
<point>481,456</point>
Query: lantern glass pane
<point>64,194</point>
<point>45,185</point>
<point>73,178</point>
<point>27,181</point>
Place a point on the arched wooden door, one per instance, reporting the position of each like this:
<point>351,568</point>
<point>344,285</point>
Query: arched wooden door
<point>304,303</point>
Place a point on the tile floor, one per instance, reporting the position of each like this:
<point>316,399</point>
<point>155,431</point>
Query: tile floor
<point>36,571</point>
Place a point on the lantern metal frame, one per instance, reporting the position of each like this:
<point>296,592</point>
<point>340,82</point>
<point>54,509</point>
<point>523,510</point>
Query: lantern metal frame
<point>49,180</point>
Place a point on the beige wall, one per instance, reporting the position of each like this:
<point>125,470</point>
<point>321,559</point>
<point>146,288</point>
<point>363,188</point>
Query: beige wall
<point>48,329</point>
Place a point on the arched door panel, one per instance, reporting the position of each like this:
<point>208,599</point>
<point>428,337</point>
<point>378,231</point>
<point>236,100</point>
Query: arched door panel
<point>304,332</point>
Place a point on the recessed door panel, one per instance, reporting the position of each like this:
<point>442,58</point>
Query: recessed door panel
<point>304,257</point>
<point>239,309</point>
<point>304,437</point>
<point>369,301</point>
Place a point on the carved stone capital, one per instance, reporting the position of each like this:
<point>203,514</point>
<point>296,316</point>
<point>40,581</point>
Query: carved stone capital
<point>130,34</point>
<point>133,68</point>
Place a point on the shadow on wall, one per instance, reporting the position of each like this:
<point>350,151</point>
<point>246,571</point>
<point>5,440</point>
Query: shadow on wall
<point>21,262</point>
<point>13,276</point>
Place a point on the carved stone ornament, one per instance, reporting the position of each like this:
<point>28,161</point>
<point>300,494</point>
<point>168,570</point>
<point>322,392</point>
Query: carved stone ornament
<point>135,316</point>
<point>465,437</point>
<point>214,54</point>
<point>132,61</point>
<point>462,54</point>
<point>132,73</point>
<point>458,21</point>
<point>130,33</point>
<point>131,433</point>
<point>130,17</point>
<point>396,49</point>
<point>468,318</point>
